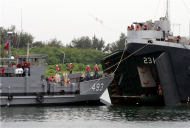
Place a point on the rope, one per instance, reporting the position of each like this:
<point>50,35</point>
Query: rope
<point>186,6</point>
<point>117,65</point>
<point>186,47</point>
<point>120,59</point>
<point>127,57</point>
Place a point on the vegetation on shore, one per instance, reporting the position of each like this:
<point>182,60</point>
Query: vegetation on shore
<point>81,52</point>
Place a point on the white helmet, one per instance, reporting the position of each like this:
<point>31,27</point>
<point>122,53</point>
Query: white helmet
<point>56,65</point>
<point>96,65</point>
<point>70,63</point>
<point>88,66</point>
<point>68,79</point>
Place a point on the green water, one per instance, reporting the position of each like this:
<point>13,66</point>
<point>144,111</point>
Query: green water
<point>96,116</point>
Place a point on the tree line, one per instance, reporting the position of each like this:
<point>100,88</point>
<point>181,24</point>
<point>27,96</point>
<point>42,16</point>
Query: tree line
<point>83,42</point>
<point>81,51</point>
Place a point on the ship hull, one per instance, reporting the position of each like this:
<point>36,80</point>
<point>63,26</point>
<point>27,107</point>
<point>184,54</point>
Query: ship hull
<point>89,94</point>
<point>171,69</point>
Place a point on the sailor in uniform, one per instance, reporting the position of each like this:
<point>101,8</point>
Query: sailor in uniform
<point>70,68</point>
<point>96,70</point>
<point>88,72</point>
<point>57,68</point>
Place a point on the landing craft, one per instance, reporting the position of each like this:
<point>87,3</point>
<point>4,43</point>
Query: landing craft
<point>23,82</point>
<point>152,57</point>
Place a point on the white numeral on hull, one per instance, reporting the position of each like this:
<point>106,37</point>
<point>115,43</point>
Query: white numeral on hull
<point>149,60</point>
<point>98,87</point>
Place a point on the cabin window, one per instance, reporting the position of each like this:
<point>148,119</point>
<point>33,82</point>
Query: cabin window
<point>43,77</point>
<point>41,62</point>
<point>37,62</point>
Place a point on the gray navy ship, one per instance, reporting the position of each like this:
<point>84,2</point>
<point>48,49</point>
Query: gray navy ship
<point>25,83</point>
<point>153,56</point>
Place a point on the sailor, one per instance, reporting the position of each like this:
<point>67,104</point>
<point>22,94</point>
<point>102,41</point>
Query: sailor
<point>145,27</point>
<point>132,27</point>
<point>70,68</point>
<point>88,72</point>
<point>96,69</point>
<point>128,28</point>
<point>158,28</point>
<point>137,27</point>
<point>178,38</point>
<point>57,68</point>
<point>36,62</point>
<point>160,89</point>
<point>68,81</point>
<point>166,40</point>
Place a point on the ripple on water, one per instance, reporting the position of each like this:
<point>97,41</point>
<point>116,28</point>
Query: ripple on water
<point>98,113</point>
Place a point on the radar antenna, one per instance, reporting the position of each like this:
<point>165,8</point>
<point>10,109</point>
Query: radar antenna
<point>167,14</point>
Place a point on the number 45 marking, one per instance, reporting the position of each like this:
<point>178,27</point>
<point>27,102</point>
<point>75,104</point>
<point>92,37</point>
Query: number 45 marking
<point>98,87</point>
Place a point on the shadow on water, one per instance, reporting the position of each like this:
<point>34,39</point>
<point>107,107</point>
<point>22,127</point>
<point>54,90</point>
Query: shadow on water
<point>99,113</point>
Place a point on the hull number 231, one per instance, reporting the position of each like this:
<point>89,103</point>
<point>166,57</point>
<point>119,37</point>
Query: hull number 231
<point>149,60</point>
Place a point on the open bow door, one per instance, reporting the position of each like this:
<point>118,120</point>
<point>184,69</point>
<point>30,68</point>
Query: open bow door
<point>167,80</point>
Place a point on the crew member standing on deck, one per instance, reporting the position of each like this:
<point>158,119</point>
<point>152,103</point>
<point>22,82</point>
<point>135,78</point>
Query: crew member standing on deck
<point>57,68</point>
<point>70,68</point>
<point>158,28</point>
<point>145,27</point>
<point>137,27</point>
<point>88,72</point>
<point>178,38</point>
<point>96,69</point>
<point>129,28</point>
<point>132,27</point>
<point>160,89</point>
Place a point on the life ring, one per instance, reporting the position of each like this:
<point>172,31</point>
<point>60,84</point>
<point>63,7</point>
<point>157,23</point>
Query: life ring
<point>40,97</point>
<point>52,78</point>
<point>10,97</point>
<point>3,71</point>
<point>62,92</point>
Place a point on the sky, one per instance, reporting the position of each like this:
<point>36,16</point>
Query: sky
<point>107,19</point>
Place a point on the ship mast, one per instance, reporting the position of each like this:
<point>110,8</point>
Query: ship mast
<point>167,15</point>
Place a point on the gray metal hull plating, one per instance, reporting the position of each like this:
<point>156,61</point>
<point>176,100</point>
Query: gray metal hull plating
<point>88,91</point>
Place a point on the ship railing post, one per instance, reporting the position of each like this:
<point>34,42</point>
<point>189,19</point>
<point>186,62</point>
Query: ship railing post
<point>27,80</point>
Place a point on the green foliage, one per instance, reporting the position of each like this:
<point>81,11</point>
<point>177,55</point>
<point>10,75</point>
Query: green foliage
<point>83,42</point>
<point>81,53</point>
<point>118,45</point>
<point>26,37</point>
<point>98,44</point>
<point>38,43</point>
<point>55,43</point>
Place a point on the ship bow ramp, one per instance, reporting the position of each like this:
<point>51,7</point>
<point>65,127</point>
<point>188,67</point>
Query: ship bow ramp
<point>167,80</point>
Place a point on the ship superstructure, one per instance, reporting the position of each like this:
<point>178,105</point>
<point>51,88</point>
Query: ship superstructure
<point>152,57</point>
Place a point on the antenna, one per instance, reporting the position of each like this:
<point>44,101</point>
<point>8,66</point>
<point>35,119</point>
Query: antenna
<point>167,16</point>
<point>21,20</point>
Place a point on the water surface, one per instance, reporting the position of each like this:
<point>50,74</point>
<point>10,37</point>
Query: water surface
<point>95,116</point>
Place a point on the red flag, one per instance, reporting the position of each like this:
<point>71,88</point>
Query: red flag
<point>7,47</point>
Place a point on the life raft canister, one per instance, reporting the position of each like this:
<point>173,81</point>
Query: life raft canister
<point>52,78</point>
